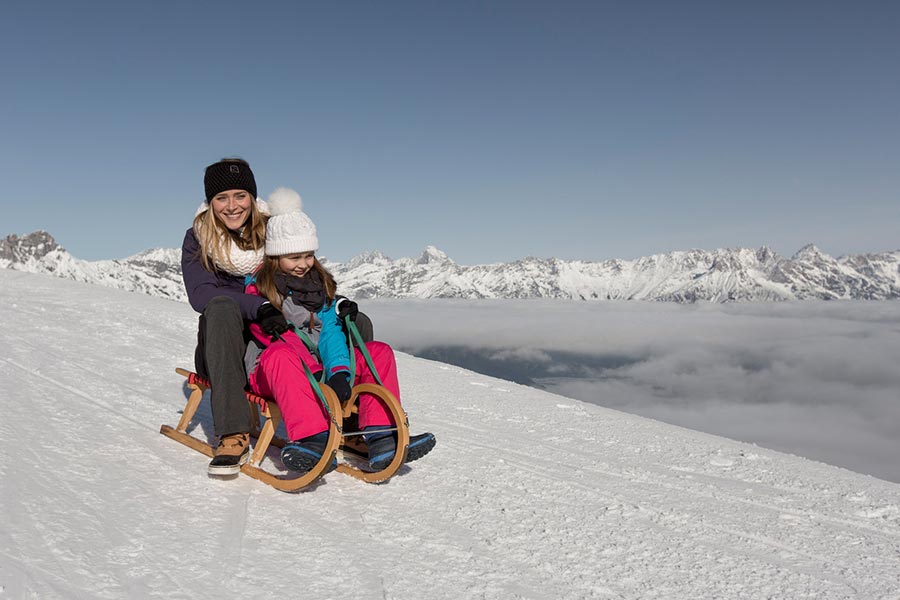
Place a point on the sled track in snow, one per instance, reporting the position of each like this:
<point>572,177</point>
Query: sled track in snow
<point>84,395</point>
<point>699,527</point>
<point>661,476</point>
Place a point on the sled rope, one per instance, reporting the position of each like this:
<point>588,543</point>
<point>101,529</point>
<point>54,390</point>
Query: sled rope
<point>306,341</point>
<point>355,336</point>
<point>318,390</point>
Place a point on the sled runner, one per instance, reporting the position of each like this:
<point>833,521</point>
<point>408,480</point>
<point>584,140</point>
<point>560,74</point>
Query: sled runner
<point>339,441</point>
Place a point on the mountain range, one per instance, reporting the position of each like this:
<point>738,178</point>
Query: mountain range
<point>722,275</point>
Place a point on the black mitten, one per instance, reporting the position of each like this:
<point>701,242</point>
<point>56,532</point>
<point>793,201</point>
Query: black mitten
<point>271,321</point>
<point>340,383</point>
<point>347,308</point>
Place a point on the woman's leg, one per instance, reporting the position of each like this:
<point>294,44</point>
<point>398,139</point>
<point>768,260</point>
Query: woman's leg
<point>220,359</point>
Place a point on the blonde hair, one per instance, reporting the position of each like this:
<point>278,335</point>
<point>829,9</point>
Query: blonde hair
<point>215,238</point>
<point>265,280</point>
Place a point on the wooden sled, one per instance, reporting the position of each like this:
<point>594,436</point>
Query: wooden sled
<point>338,440</point>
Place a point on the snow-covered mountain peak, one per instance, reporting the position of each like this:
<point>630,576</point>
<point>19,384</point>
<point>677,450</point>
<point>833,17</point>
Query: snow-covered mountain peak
<point>766,255</point>
<point>432,255</point>
<point>369,258</point>
<point>33,246</point>
<point>809,252</point>
<point>157,254</point>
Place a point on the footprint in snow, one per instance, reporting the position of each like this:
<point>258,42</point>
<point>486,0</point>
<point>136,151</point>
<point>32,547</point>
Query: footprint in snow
<point>890,512</point>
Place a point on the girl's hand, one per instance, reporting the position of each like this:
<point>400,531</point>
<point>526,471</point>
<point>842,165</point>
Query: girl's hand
<point>340,383</point>
<point>347,308</point>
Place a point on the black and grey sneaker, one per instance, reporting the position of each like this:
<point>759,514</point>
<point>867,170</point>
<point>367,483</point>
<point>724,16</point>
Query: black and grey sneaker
<point>383,446</point>
<point>232,452</point>
<point>304,454</point>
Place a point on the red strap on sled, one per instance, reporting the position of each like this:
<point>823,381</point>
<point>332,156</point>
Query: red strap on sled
<point>195,379</point>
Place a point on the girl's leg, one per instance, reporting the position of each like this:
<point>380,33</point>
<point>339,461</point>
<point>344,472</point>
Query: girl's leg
<point>371,411</point>
<point>382,446</point>
<point>280,375</point>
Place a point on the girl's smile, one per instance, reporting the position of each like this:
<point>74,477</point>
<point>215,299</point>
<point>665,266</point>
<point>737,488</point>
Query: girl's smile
<point>297,264</point>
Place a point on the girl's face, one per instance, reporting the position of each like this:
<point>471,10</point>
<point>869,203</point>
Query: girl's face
<point>298,264</point>
<point>232,207</point>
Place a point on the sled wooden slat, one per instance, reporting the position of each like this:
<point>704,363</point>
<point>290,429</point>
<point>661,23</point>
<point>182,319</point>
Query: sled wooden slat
<point>265,436</point>
<point>400,418</point>
<point>188,440</point>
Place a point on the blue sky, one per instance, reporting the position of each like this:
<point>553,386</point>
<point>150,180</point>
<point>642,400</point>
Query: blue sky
<point>492,130</point>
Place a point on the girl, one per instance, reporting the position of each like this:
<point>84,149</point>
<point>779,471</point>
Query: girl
<point>225,244</point>
<point>294,281</point>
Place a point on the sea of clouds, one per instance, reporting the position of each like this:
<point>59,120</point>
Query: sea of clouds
<point>818,379</point>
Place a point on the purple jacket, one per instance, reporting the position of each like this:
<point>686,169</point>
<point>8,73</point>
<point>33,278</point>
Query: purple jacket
<point>202,285</point>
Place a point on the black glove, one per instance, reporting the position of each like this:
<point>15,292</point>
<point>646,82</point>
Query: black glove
<point>347,308</point>
<point>340,383</point>
<point>271,320</point>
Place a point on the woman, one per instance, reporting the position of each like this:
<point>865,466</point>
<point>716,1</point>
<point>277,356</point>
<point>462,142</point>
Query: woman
<point>225,244</point>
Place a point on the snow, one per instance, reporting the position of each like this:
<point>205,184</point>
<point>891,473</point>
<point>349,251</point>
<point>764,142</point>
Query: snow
<point>527,495</point>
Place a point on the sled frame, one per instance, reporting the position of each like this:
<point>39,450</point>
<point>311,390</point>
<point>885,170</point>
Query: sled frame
<point>265,435</point>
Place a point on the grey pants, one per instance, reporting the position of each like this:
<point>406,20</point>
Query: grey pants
<point>219,357</point>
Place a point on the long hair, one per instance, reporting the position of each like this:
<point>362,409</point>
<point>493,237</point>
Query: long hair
<point>215,238</point>
<point>265,280</point>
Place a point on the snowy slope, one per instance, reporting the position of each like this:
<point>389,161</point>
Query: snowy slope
<point>528,495</point>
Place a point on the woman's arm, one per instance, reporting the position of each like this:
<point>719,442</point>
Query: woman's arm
<point>202,285</point>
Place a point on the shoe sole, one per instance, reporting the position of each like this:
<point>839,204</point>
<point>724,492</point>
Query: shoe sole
<point>414,452</point>
<point>229,469</point>
<point>419,450</point>
<point>302,462</point>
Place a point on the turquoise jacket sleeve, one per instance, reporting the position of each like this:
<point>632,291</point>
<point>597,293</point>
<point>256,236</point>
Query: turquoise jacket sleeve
<point>333,342</point>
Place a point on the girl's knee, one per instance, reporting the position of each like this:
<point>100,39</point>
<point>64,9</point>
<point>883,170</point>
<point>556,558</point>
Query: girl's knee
<point>277,352</point>
<point>380,348</point>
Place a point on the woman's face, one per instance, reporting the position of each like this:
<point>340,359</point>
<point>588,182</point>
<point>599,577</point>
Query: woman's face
<point>297,264</point>
<point>232,207</point>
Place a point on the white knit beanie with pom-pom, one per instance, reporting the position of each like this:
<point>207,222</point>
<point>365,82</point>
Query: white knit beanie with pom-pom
<point>289,230</point>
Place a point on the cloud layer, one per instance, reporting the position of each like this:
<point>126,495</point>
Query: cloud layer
<point>818,379</point>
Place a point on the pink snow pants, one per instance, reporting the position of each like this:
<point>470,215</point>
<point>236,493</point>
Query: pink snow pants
<point>280,375</point>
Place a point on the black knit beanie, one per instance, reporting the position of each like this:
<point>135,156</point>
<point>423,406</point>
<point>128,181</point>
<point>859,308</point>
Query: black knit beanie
<point>228,175</point>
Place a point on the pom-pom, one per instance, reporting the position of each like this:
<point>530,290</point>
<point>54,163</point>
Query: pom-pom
<point>284,201</point>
